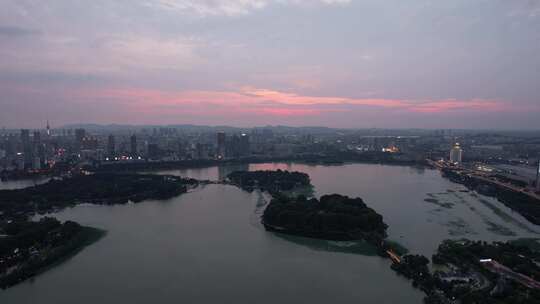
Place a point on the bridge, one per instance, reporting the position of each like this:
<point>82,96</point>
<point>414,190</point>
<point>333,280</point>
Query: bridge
<point>393,256</point>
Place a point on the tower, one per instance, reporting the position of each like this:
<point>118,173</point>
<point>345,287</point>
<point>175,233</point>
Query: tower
<point>48,129</point>
<point>456,154</point>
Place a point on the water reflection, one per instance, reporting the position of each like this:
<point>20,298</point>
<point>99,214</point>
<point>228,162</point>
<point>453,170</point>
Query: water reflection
<point>22,183</point>
<point>352,247</point>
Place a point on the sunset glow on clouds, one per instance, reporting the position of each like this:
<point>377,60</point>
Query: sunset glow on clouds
<point>268,102</point>
<point>337,63</point>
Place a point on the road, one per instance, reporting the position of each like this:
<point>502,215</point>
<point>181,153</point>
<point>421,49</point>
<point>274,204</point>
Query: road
<point>481,176</point>
<point>509,273</point>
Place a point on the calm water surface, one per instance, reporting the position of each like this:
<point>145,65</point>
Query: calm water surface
<point>22,183</point>
<point>207,246</point>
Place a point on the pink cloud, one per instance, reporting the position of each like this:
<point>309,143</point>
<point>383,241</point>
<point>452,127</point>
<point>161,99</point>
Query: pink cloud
<point>287,112</point>
<point>452,105</point>
<point>294,99</point>
<point>270,102</point>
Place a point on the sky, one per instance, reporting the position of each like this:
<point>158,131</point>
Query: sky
<point>337,63</point>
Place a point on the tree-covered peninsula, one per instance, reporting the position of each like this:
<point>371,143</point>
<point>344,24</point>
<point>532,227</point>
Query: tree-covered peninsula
<point>101,188</point>
<point>29,247</point>
<point>272,181</point>
<point>333,217</point>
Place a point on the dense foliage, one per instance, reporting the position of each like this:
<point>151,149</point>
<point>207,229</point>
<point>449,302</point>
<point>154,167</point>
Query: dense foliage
<point>466,255</point>
<point>519,258</point>
<point>102,188</point>
<point>271,181</point>
<point>335,217</point>
<point>415,267</point>
<point>27,247</point>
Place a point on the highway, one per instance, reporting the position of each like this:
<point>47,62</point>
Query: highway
<point>509,273</point>
<point>482,176</point>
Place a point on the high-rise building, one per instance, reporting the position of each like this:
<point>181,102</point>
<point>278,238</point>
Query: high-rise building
<point>27,147</point>
<point>221,145</point>
<point>111,146</point>
<point>201,151</point>
<point>456,154</point>
<point>25,136</point>
<point>133,145</point>
<point>37,137</point>
<point>80,134</point>
<point>538,177</point>
<point>89,143</point>
<point>244,145</point>
<point>48,129</point>
<point>153,151</point>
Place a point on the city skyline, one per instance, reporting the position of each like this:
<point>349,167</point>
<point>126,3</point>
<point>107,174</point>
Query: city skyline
<point>331,63</point>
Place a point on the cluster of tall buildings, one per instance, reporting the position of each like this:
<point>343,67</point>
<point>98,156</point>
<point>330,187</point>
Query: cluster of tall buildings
<point>31,151</point>
<point>38,150</point>
<point>162,144</point>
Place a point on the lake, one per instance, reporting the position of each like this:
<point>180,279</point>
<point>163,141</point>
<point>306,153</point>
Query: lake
<point>22,183</point>
<point>208,246</point>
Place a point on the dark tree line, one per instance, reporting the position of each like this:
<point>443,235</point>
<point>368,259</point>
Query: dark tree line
<point>271,181</point>
<point>101,188</point>
<point>28,247</point>
<point>335,217</point>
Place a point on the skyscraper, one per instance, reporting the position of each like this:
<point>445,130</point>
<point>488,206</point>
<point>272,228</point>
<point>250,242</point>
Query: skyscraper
<point>456,154</point>
<point>133,142</point>
<point>27,147</point>
<point>111,146</point>
<point>221,145</point>
<point>244,145</point>
<point>80,134</point>
<point>25,136</point>
<point>37,137</point>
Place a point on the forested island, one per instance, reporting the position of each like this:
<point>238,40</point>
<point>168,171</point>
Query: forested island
<point>333,217</point>
<point>100,188</point>
<point>29,247</point>
<point>273,182</point>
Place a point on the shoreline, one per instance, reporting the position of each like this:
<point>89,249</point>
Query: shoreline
<point>85,238</point>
